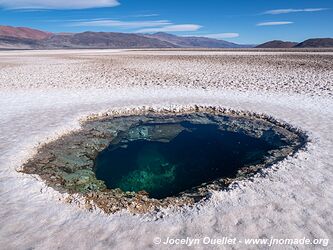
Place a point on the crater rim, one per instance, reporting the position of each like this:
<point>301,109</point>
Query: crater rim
<point>139,202</point>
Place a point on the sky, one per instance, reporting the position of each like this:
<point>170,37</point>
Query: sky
<point>239,21</point>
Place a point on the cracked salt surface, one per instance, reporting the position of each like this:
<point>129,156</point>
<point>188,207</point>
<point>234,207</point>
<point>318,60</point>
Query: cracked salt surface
<point>295,201</point>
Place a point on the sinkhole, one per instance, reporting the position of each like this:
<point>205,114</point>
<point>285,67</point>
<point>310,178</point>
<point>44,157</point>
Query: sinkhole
<point>146,159</point>
<point>164,159</point>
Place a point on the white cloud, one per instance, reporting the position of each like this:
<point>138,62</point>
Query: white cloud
<point>143,26</point>
<point>286,11</point>
<point>145,15</point>
<point>171,28</point>
<point>57,4</point>
<point>222,35</point>
<point>273,23</point>
<point>121,24</point>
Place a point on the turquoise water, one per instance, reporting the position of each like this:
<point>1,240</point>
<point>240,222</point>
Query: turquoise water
<point>200,153</point>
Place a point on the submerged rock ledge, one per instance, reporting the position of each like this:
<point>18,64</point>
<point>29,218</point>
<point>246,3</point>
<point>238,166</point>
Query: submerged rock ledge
<point>67,163</point>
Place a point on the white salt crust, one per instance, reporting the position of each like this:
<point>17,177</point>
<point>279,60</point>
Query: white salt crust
<point>45,94</point>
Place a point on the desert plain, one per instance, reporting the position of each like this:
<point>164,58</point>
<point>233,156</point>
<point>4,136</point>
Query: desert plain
<point>44,94</point>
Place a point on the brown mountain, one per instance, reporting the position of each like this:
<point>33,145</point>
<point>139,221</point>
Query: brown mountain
<point>103,40</point>
<point>277,44</point>
<point>27,38</point>
<point>194,41</point>
<point>24,33</point>
<point>316,43</point>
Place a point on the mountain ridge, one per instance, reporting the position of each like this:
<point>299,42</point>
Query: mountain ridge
<point>23,32</point>
<point>316,43</point>
<point>194,41</point>
<point>28,38</point>
<point>309,43</point>
<point>277,44</point>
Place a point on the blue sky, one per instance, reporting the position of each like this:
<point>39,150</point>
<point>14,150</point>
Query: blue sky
<point>241,21</point>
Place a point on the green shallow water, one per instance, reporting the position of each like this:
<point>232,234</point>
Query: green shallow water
<point>191,154</point>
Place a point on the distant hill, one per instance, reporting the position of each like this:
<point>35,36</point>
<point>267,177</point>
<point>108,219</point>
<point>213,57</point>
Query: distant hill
<point>316,43</point>
<point>24,33</point>
<point>194,42</point>
<point>103,40</point>
<point>277,44</point>
<point>310,43</point>
<point>27,38</point>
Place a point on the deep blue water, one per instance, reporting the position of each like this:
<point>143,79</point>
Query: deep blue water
<point>195,156</point>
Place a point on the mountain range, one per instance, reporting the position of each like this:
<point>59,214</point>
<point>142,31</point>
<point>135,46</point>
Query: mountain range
<point>27,38</point>
<point>277,44</point>
<point>195,41</point>
<point>310,43</point>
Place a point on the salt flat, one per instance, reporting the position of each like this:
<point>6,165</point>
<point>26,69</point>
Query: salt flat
<point>44,93</point>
